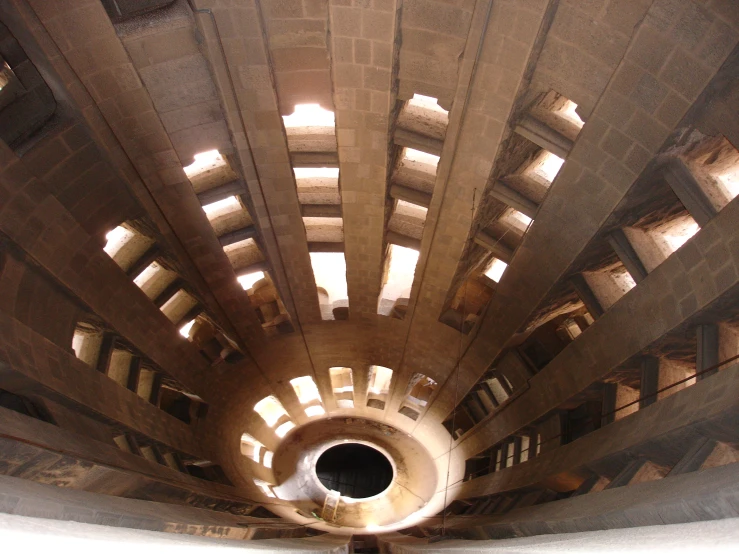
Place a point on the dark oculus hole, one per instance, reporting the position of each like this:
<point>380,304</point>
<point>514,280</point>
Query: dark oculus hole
<point>355,470</point>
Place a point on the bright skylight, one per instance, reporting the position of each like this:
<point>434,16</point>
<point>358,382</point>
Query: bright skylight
<point>678,233</point>
<point>222,207</point>
<point>265,487</point>
<point>316,172</point>
<point>379,379</point>
<point>205,161</point>
<point>546,166</point>
<point>420,157</point>
<point>496,269</point>
<point>185,329</point>
<point>427,102</point>
<point>270,409</point>
<point>341,379</point>
<point>251,447</point>
<point>312,411</point>
<point>267,461</point>
<point>400,274</point>
<point>411,210</point>
<point>329,271</point>
<point>568,112</point>
<point>247,281</point>
<point>149,272</point>
<point>116,239</point>
<point>284,429</point>
<point>309,115</point>
<point>305,389</point>
<point>730,180</point>
<point>516,219</point>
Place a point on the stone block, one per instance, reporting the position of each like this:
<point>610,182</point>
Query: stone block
<point>377,25</point>
<point>684,74</point>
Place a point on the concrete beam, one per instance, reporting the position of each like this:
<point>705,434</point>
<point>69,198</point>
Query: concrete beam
<point>513,304</point>
<point>314,159</point>
<point>97,281</point>
<point>320,210</point>
<point>697,454</point>
<point>31,364</point>
<point>663,433</point>
<point>585,293</point>
<point>325,246</point>
<point>232,188</point>
<point>52,502</point>
<point>409,139</point>
<point>690,193</point>
<point>238,235</point>
<point>402,240</point>
<point>169,292</point>
<point>144,261</point>
<point>543,135</point>
<point>36,535</point>
<point>630,326</point>
<point>628,256</point>
<point>705,495</point>
<point>514,199</point>
<point>399,192</point>
<point>499,250</point>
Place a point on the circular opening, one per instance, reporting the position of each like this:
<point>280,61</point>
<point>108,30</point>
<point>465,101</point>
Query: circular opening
<point>355,470</point>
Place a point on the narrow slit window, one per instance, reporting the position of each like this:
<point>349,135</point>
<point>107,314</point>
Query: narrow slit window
<point>672,235</point>
<point>154,279</point>
<point>609,284</point>
<point>265,487</point>
<point>426,102</point>
<point>310,128</point>
<point>545,167</point>
<point>267,459</point>
<point>248,280</point>
<point>178,306</point>
<point>422,161</point>
<point>379,386</point>
<point>318,185</point>
<point>125,246</point>
<point>316,410</point>
<point>284,429</point>
<point>420,390</point>
<point>271,410</point>
<point>186,328</point>
<point>307,392</point>
<point>251,447</point>
<point>343,386</point>
<point>401,269</point>
<point>568,111</point>
<point>86,344</point>
<point>309,115</point>
<point>516,219</point>
<point>329,271</point>
<point>496,269</point>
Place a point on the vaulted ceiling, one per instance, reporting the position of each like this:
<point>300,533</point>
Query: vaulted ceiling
<point>434,223</point>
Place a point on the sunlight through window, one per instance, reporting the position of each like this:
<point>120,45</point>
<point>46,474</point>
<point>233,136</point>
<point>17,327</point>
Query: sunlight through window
<point>496,270</point>
<point>401,269</point>
<point>309,115</point>
<point>247,281</point>
<point>270,409</point>
<point>186,328</point>
<point>205,161</point>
